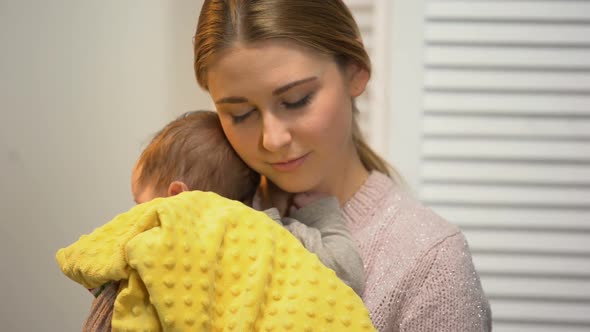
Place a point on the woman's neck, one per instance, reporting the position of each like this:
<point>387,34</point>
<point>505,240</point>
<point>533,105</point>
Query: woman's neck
<point>343,184</point>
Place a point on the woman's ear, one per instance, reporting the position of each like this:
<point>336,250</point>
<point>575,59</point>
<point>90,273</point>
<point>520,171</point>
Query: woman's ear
<point>358,78</point>
<point>176,188</point>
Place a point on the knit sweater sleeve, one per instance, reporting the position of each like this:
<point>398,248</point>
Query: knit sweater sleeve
<point>101,312</point>
<point>448,294</point>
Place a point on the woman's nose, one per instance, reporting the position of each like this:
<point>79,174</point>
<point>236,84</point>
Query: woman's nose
<point>275,133</point>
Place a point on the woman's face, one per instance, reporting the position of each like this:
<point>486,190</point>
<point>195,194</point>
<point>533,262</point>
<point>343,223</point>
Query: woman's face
<point>287,111</point>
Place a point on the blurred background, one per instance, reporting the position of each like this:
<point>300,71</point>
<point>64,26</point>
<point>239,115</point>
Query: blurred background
<point>483,107</point>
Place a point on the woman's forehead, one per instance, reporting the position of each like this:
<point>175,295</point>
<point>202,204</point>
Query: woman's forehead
<point>269,63</point>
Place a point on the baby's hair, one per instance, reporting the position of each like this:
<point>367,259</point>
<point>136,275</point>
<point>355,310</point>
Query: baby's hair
<point>193,149</point>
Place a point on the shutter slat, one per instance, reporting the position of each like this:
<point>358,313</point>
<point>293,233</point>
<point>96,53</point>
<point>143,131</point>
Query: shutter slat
<point>507,126</point>
<point>537,287</point>
<point>518,218</point>
<point>567,313</point>
<point>506,194</point>
<point>356,5</point>
<point>362,11</point>
<point>535,326</point>
<point>499,103</point>
<point>502,57</point>
<point>364,19</point>
<point>484,148</point>
<point>499,10</point>
<point>506,172</point>
<point>508,34</point>
<point>524,242</point>
<point>527,265</point>
<point>507,80</point>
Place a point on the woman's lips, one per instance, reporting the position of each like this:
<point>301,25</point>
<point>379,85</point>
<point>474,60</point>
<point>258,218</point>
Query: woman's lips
<point>290,165</point>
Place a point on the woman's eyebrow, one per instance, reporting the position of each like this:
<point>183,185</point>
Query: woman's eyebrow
<point>286,87</point>
<point>278,91</point>
<point>231,100</point>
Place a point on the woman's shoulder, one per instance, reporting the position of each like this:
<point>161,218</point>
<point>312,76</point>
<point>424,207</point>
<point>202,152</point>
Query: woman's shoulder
<point>381,199</point>
<point>405,246</point>
<point>383,211</point>
<point>418,222</point>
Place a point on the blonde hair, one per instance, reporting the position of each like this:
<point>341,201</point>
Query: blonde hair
<point>326,26</point>
<point>193,149</point>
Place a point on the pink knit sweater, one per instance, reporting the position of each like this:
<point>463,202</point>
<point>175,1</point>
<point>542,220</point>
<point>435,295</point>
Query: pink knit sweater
<point>419,272</point>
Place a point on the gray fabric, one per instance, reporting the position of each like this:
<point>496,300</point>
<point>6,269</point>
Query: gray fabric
<point>321,228</point>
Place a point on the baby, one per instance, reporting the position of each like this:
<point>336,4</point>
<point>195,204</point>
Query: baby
<point>192,153</point>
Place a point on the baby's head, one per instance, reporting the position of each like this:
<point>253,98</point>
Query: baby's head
<point>192,153</point>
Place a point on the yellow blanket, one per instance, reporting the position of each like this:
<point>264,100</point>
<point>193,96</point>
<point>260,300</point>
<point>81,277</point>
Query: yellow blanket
<point>200,262</point>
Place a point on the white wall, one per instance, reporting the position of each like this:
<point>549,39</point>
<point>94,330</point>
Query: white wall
<point>83,85</point>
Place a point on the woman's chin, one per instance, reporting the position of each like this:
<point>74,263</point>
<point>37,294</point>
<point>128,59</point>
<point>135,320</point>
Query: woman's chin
<point>292,184</point>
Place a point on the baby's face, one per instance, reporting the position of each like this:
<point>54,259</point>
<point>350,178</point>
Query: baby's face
<point>141,193</point>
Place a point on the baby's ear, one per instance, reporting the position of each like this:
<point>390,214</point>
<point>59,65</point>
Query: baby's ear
<point>176,188</point>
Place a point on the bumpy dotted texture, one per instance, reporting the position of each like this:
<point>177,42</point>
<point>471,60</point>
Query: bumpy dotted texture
<point>200,262</point>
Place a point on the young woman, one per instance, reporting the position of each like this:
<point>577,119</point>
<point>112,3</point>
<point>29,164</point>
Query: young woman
<point>284,75</point>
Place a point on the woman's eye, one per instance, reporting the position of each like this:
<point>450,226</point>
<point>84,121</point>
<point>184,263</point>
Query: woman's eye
<point>240,118</point>
<point>300,103</point>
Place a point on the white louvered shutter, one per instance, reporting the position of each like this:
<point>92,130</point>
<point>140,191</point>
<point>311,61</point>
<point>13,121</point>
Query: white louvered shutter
<point>506,151</point>
<point>371,17</point>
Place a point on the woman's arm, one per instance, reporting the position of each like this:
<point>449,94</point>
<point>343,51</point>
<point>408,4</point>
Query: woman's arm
<point>449,296</point>
<point>101,312</point>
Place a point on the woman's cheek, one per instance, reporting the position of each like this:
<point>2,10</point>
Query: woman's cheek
<point>331,119</point>
<point>245,143</point>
